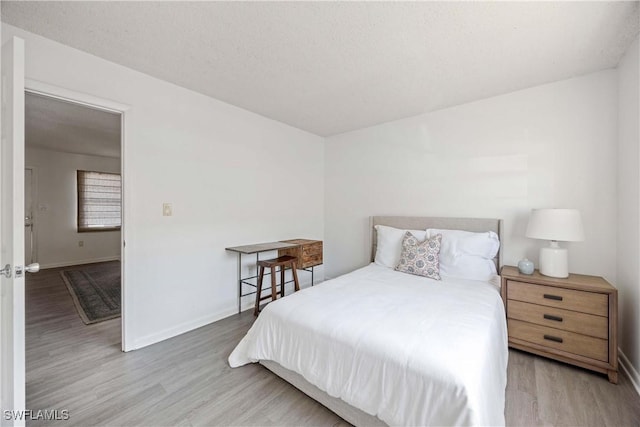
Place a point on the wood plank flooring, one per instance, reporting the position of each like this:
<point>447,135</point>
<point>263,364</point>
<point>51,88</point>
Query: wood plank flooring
<point>186,380</point>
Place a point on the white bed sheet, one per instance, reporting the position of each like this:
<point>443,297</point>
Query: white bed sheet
<point>407,349</point>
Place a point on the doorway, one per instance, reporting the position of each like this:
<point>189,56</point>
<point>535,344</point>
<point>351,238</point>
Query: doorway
<point>73,222</point>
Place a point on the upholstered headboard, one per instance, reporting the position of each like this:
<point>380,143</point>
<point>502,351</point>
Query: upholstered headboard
<point>423,222</point>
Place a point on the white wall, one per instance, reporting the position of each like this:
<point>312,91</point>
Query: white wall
<point>628,266</point>
<point>548,146</point>
<point>55,210</point>
<point>233,178</point>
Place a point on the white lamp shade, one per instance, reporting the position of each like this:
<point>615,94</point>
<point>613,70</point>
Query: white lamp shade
<point>564,225</point>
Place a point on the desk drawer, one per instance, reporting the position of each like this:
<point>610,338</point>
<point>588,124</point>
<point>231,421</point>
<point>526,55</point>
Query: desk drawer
<point>567,299</point>
<point>309,252</point>
<point>594,348</point>
<point>573,321</point>
<point>312,250</point>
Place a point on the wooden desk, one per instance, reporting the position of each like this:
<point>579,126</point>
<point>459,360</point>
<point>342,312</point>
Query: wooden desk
<point>254,249</point>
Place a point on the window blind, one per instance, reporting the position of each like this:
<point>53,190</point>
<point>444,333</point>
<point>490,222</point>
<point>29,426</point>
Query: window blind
<point>99,201</point>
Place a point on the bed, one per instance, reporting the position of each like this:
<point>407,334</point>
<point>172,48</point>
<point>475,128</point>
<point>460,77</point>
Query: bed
<point>381,347</point>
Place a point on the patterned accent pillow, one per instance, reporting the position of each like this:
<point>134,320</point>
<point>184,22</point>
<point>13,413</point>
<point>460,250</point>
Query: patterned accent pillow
<point>420,258</point>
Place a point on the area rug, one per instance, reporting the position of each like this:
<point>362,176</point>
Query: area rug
<point>95,290</point>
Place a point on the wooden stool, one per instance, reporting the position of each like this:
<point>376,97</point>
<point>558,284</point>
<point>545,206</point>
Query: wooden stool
<point>283,262</point>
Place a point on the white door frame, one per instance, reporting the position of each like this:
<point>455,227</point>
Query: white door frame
<point>12,344</point>
<point>45,89</point>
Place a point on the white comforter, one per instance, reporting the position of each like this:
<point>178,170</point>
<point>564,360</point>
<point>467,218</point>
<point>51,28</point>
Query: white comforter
<point>410,350</point>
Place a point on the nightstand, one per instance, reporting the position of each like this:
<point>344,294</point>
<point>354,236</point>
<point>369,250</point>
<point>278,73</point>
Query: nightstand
<point>573,320</point>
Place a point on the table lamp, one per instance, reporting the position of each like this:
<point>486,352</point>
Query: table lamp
<point>555,225</point>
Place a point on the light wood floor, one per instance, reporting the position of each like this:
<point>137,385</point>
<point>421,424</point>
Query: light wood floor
<point>186,380</point>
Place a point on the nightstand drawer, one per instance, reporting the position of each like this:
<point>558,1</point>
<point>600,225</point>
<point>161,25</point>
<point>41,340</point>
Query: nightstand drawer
<point>594,348</point>
<point>568,299</point>
<point>573,321</point>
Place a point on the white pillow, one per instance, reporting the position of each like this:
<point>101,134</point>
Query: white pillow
<point>467,255</point>
<point>389,244</point>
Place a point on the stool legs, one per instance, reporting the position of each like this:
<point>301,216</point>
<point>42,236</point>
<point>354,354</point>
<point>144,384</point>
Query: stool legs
<point>295,276</point>
<point>256,310</point>
<point>274,284</point>
<point>283,263</point>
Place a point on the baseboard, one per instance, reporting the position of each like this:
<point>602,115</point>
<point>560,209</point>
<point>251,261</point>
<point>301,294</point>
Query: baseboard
<point>78,262</point>
<point>180,329</point>
<point>629,370</point>
<point>247,304</point>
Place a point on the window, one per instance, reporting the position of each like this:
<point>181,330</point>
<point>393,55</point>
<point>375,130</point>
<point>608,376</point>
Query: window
<point>99,201</point>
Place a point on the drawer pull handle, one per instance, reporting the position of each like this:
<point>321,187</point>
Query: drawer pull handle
<point>552,317</point>
<point>554,297</point>
<point>552,338</point>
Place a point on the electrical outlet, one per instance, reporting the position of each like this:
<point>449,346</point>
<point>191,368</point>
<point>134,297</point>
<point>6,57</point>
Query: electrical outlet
<point>167,209</point>
<point>81,243</point>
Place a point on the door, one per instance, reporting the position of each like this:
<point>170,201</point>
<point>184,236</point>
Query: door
<point>12,363</point>
<point>28,217</point>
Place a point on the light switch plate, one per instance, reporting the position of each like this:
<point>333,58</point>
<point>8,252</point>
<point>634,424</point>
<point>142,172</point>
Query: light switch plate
<point>167,210</point>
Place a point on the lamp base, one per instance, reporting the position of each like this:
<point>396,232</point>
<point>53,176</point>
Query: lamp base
<point>554,261</point>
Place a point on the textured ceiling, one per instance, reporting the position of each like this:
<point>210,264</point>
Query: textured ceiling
<point>331,67</point>
<point>62,126</point>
